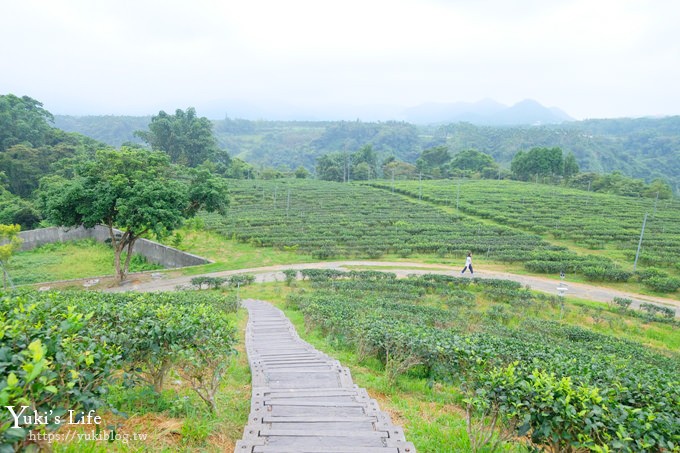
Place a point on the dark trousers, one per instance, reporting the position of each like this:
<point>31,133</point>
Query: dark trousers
<point>467,267</point>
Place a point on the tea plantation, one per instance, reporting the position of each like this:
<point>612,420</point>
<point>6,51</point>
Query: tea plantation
<point>330,220</point>
<point>557,386</point>
<point>592,220</point>
<point>62,351</point>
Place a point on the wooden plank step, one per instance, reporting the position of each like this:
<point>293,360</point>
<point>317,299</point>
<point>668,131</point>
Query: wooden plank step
<point>272,419</point>
<point>304,401</point>
<point>268,449</point>
<point>310,392</point>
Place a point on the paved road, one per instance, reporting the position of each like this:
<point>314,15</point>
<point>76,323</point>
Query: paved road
<point>402,269</point>
<point>304,401</point>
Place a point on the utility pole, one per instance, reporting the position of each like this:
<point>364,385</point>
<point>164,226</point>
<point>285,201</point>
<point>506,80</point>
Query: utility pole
<point>288,203</point>
<point>458,196</point>
<point>392,179</point>
<point>655,202</point>
<point>637,254</point>
<point>420,186</point>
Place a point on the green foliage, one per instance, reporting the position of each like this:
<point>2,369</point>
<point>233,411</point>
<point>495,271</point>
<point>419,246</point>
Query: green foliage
<point>565,214</point>
<point>618,184</point>
<point>329,219</point>
<point>537,162</point>
<point>23,120</point>
<point>132,189</point>
<point>59,351</point>
<point>474,161</point>
<point>15,210</point>
<point>559,386</point>
<point>241,280</point>
<point>186,138</point>
<point>209,282</point>
<point>658,280</point>
<point>301,172</point>
<point>290,275</point>
<point>653,309</point>
<point>642,148</point>
<point>433,161</point>
<point>30,148</point>
<point>623,302</point>
<point>9,237</point>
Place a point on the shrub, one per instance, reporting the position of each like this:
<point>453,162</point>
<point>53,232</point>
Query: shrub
<point>405,252</point>
<point>241,280</point>
<point>622,302</point>
<point>374,253</point>
<point>290,276</point>
<point>209,282</point>
<point>663,284</point>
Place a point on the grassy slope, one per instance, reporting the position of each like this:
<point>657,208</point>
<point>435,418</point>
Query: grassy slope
<point>64,261</point>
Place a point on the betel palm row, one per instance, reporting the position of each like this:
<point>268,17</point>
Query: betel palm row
<point>593,220</point>
<point>557,386</point>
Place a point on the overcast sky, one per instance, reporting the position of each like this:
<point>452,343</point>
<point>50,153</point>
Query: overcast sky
<point>591,58</point>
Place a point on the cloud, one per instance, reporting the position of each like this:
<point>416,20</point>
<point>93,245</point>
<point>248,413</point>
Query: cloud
<point>605,58</point>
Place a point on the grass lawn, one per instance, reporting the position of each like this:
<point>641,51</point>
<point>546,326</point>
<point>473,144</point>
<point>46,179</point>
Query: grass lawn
<point>65,261</point>
<point>229,254</point>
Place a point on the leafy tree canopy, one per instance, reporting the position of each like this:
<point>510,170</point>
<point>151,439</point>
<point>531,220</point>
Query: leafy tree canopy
<point>134,190</point>
<point>23,120</point>
<point>185,137</point>
<point>433,157</point>
<point>9,243</point>
<point>537,162</point>
<point>473,160</point>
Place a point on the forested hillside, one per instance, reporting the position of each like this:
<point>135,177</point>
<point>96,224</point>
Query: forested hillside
<point>643,148</point>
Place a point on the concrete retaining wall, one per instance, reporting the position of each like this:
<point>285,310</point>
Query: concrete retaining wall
<point>154,252</point>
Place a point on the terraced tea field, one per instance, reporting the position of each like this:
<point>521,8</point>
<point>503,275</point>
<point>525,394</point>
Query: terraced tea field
<point>537,366</point>
<point>332,219</point>
<point>592,220</point>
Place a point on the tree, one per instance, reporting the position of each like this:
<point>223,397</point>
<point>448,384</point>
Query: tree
<point>399,170</point>
<point>15,210</point>
<point>570,166</point>
<point>23,120</point>
<point>330,167</point>
<point>301,172</point>
<point>134,190</point>
<point>364,163</point>
<point>187,139</point>
<point>537,162</point>
<point>433,160</point>
<point>660,187</point>
<point>10,240</point>
<point>473,160</point>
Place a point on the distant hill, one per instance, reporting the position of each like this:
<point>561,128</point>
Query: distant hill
<point>486,112</point>
<point>641,147</point>
<point>110,129</point>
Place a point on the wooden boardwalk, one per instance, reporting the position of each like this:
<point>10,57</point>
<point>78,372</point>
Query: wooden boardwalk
<point>303,400</point>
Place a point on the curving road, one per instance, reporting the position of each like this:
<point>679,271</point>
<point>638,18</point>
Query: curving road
<point>402,269</point>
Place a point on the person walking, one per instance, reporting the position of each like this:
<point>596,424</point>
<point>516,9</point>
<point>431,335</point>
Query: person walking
<point>468,264</point>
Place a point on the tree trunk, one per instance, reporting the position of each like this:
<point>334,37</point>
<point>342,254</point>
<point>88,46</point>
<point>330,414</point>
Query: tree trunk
<point>130,245</point>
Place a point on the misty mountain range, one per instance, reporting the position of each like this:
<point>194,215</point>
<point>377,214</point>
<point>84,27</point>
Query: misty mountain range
<point>486,112</point>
